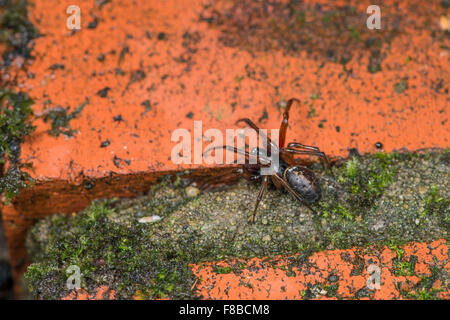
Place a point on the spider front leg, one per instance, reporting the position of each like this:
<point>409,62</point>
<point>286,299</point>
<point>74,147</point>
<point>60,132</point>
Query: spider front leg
<point>285,122</point>
<point>238,151</point>
<point>261,193</point>
<point>310,150</point>
<point>251,124</point>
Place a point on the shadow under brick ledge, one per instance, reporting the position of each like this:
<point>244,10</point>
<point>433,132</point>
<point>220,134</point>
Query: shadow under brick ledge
<point>5,269</point>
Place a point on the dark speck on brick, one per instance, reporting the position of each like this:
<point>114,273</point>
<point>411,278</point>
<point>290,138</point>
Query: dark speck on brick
<point>104,92</point>
<point>57,66</point>
<point>119,71</point>
<point>118,161</point>
<point>147,105</point>
<point>105,143</point>
<point>118,118</point>
<point>162,36</point>
<point>93,24</point>
<point>264,116</point>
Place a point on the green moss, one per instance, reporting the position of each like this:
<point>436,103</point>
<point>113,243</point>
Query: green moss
<point>15,113</point>
<point>104,246</point>
<point>16,30</point>
<point>424,294</point>
<point>301,17</point>
<point>38,273</point>
<point>374,68</point>
<point>435,203</point>
<point>401,86</point>
<point>354,33</point>
<point>365,181</point>
<point>425,289</point>
<point>400,266</point>
<point>222,270</point>
<point>115,252</point>
<point>13,181</point>
<point>343,212</point>
<point>15,108</point>
<point>311,111</point>
<point>351,169</point>
<point>238,79</point>
<point>332,290</point>
<point>59,119</point>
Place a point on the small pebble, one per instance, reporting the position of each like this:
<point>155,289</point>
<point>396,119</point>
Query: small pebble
<point>278,229</point>
<point>150,219</point>
<point>191,191</point>
<point>422,189</point>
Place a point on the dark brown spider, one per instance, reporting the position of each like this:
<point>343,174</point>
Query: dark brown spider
<point>289,173</point>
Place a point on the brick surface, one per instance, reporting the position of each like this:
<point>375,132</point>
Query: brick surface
<point>146,68</point>
<point>348,271</point>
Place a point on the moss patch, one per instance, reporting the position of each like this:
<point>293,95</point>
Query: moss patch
<point>15,108</point>
<point>60,118</point>
<point>428,286</point>
<point>16,30</point>
<point>376,199</point>
<point>15,111</point>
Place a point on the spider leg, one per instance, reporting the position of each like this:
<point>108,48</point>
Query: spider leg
<point>243,152</point>
<point>238,151</point>
<point>261,193</point>
<point>302,146</point>
<point>230,176</point>
<point>251,124</point>
<point>314,152</point>
<point>292,191</point>
<point>285,122</point>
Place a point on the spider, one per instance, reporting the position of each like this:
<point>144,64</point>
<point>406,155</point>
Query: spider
<point>289,174</point>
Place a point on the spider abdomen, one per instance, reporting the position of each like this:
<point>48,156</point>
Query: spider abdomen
<point>304,183</point>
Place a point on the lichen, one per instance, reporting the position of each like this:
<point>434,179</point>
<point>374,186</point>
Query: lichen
<point>16,30</point>
<point>15,107</point>
<point>15,110</point>
<point>15,113</point>
<point>60,118</point>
